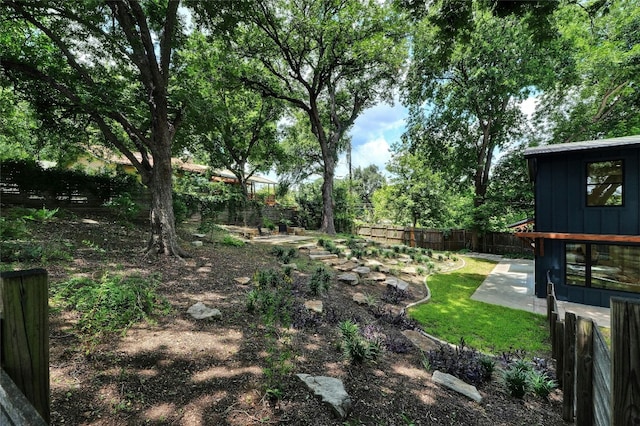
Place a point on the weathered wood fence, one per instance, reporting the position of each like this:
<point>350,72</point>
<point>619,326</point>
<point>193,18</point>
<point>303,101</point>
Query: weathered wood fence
<point>24,348</point>
<point>601,386</point>
<point>444,240</point>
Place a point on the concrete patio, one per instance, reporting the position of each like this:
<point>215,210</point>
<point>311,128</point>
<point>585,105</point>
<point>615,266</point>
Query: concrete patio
<point>511,284</point>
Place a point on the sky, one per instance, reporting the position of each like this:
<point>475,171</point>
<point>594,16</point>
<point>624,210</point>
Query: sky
<point>378,128</point>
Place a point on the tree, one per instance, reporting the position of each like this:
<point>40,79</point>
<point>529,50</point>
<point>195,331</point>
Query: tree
<point>417,195</point>
<point>603,97</point>
<point>109,64</point>
<point>464,94</point>
<point>329,59</point>
<point>234,125</point>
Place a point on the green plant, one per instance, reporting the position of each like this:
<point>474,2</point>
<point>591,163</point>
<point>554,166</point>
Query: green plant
<point>285,255</point>
<point>541,384</point>
<point>356,348</point>
<point>124,207</point>
<point>320,281</point>
<point>268,223</point>
<point>516,381</point>
<point>488,365</point>
<point>40,215</point>
<point>11,229</point>
<point>111,304</point>
<point>229,240</point>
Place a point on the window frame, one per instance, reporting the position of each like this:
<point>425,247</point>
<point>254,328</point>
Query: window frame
<point>589,262</point>
<point>587,185</point>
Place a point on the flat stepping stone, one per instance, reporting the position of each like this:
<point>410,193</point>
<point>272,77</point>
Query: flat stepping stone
<point>349,278</point>
<point>347,266</point>
<point>420,341</point>
<point>331,391</point>
<point>384,269</point>
<point>204,270</point>
<point>199,236</point>
<point>397,283</point>
<point>339,241</point>
<point>373,262</point>
<point>409,270</point>
<point>323,256</point>
<point>334,262</point>
<point>201,311</point>
<point>360,299</point>
<point>290,265</point>
<point>308,247</point>
<point>376,276</point>
<point>197,243</point>
<point>392,262</point>
<point>361,270</point>
<point>314,305</point>
<point>318,252</point>
<point>242,280</point>
<point>457,385</point>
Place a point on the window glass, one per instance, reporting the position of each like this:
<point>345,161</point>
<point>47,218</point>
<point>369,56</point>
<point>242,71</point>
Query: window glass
<point>604,183</point>
<point>604,266</point>
<point>575,255</point>
<point>616,267</point>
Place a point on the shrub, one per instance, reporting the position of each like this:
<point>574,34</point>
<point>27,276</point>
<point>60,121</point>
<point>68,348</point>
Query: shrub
<point>124,207</point>
<point>285,255</point>
<point>394,295</point>
<point>229,240</point>
<point>516,381</point>
<point>111,304</point>
<point>540,384</point>
<point>355,347</point>
<point>398,345</point>
<point>460,361</point>
<point>320,281</point>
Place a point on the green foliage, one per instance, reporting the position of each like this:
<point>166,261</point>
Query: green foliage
<point>540,384</point>
<point>12,229</point>
<point>110,304</point>
<point>40,215</point>
<point>320,281</point>
<point>229,240</point>
<point>285,255</point>
<point>29,251</point>
<point>124,207</point>
<point>516,381</point>
<point>268,223</point>
<point>355,347</point>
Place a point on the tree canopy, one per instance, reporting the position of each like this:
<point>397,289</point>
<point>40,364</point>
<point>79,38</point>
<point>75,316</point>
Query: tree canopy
<point>329,59</point>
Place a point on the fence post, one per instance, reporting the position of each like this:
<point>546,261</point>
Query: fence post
<point>553,330</point>
<point>560,330</point>
<point>568,380</point>
<point>584,372</point>
<point>625,362</point>
<point>24,344</point>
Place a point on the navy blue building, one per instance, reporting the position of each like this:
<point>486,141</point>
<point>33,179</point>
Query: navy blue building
<point>587,219</point>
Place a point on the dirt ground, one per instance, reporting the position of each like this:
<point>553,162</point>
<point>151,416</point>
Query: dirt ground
<point>182,371</point>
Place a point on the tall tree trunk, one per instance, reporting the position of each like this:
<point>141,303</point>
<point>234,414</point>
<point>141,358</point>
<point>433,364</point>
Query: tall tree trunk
<point>163,239</point>
<point>328,224</point>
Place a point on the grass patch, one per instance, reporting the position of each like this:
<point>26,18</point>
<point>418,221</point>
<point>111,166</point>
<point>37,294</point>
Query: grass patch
<point>451,315</point>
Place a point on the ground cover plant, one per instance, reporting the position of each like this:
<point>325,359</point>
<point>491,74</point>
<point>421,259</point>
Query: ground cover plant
<point>451,314</point>
<point>240,369</point>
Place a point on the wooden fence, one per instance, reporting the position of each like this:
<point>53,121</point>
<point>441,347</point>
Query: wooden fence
<point>444,240</point>
<point>24,348</point>
<point>601,386</point>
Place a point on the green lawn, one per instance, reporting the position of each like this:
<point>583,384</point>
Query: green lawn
<point>451,314</point>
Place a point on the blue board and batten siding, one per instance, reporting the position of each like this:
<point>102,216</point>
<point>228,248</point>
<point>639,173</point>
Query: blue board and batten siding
<point>560,192</point>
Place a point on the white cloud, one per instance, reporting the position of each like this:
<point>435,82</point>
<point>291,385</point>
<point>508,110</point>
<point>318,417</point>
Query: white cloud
<point>373,152</point>
<point>528,106</point>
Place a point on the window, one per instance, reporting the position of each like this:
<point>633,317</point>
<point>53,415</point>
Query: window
<point>604,183</point>
<point>605,266</point>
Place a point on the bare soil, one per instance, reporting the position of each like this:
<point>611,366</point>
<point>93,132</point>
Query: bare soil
<point>182,371</point>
